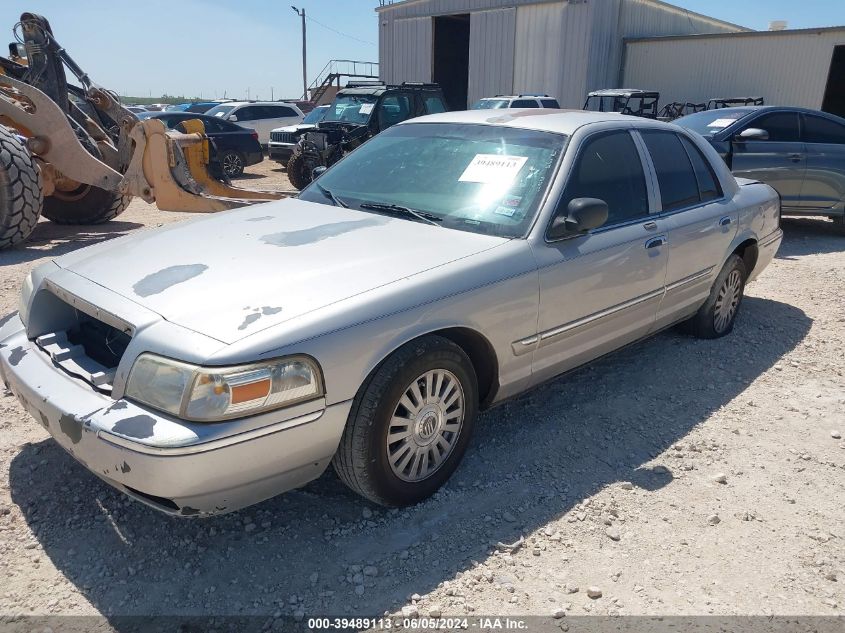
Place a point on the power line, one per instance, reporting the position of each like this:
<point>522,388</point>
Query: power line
<point>326,26</point>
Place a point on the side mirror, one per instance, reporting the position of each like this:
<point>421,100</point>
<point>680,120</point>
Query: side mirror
<point>582,214</point>
<point>233,117</point>
<point>318,171</point>
<point>753,134</point>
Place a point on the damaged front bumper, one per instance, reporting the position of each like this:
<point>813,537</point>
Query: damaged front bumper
<point>182,468</point>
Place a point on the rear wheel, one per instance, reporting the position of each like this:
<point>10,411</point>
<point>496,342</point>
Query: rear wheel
<point>410,424</point>
<point>233,163</point>
<point>84,204</point>
<point>716,317</point>
<point>298,171</point>
<point>21,195</point>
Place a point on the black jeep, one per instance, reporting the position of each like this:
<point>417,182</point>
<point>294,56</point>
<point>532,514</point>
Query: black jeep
<point>358,112</point>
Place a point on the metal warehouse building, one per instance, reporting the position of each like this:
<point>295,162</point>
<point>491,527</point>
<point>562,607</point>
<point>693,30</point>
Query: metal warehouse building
<point>565,48</point>
<point>478,48</point>
<point>801,67</point>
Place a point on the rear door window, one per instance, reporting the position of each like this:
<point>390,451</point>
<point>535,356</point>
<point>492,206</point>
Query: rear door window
<point>278,112</point>
<point>249,113</point>
<point>675,175</point>
<point>781,126</point>
<point>820,130</point>
<point>608,167</point>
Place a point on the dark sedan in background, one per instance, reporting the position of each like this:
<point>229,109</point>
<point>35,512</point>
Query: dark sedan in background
<point>799,152</point>
<point>234,147</point>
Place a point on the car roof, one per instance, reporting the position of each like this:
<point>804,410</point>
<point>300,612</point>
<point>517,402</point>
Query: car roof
<point>238,104</point>
<point>540,119</point>
<point>183,115</point>
<point>622,92</point>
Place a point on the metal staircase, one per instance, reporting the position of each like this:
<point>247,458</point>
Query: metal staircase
<point>332,73</point>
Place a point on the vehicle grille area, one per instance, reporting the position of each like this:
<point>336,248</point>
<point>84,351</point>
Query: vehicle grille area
<point>86,347</point>
<point>282,137</point>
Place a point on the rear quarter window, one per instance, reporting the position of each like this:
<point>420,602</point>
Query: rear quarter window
<point>550,103</point>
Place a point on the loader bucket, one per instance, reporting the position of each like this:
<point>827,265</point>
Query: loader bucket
<point>170,169</point>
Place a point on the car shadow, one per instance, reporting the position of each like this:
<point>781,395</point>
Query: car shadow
<point>532,460</point>
<point>809,236</point>
<point>63,238</point>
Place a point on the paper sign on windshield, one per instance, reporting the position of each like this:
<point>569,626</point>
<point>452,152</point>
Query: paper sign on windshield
<point>366,108</point>
<point>493,168</point>
<point>720,123</point>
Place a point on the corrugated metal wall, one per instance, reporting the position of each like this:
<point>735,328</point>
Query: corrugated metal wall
<point>785,68</point>
<point>491,52</point>
<point>562,47</point>
<point>615,20</point>
<point>410,51</point>
<point>552,50</point>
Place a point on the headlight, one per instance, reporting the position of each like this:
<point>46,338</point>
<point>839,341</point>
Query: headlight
<point>208,394</point>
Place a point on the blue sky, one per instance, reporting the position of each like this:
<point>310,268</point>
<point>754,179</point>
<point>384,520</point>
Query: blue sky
<point>239,47</point>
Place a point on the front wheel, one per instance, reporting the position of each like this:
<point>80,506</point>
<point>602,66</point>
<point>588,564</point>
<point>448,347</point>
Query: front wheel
<point>298,173</point>
<point>717,316</point>
<point>410,424</point>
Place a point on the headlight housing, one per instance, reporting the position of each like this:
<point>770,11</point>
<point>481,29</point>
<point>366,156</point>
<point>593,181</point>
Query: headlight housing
<point>211,394</point>
<point>25,296</point>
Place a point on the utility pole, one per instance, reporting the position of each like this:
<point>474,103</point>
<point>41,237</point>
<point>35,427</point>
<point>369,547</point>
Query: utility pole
<point>301,14</point>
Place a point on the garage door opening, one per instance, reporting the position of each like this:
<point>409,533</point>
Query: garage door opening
<point>834,94</point>
<point>451,58</point>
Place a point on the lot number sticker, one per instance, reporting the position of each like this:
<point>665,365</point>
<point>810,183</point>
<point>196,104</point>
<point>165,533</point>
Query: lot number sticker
<point>720,123</point>
<point>366,108</point>
<point>493,168</point>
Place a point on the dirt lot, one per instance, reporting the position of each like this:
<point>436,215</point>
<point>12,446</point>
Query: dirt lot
<point>676,477</point>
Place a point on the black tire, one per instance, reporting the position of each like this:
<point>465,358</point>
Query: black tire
<point>709,322</point>
<point>362,461</point>
<point>298,171</point>
<point>84,205</point>
<point>233,163</point>
<point>21,196</point>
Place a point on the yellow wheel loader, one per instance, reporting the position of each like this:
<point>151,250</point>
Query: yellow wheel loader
<point>74,154</point>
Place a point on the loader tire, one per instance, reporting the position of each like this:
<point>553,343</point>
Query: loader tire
<point>84,205</point>
<point>21,196</point>
<point>298,172</point>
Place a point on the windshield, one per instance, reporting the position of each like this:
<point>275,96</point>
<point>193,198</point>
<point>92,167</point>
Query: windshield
<point>315,116</point>
<point>711,122</point>
<point>490,104</point>
<point>221,110</point>
<point>478,178</point>
<point>351,108</point>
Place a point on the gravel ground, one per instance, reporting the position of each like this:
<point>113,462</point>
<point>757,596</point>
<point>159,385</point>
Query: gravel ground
<point>676,477</point>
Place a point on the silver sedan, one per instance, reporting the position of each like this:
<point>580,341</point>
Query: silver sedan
<point>450,263</point>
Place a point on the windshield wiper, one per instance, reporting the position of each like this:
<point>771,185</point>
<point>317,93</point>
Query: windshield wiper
<point>335,200</point>
<point>398,209</point>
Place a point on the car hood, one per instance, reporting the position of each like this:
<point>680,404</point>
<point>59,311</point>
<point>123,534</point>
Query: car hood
<point>295,128</point>
<point>235,273</point>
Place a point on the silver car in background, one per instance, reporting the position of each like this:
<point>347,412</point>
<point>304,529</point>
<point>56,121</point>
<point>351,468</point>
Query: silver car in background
<point>450,263</point>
